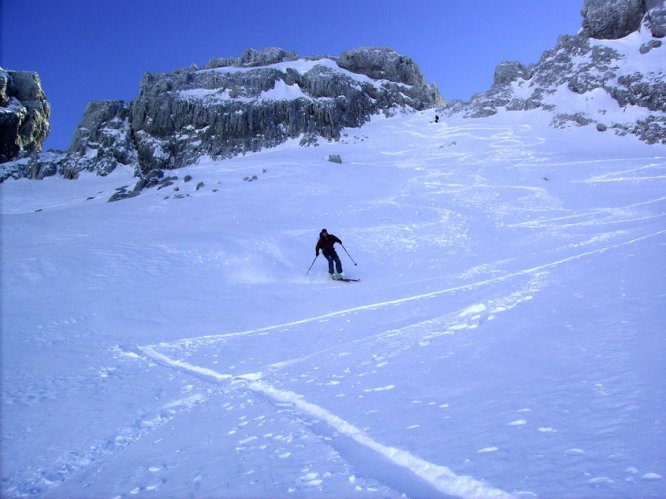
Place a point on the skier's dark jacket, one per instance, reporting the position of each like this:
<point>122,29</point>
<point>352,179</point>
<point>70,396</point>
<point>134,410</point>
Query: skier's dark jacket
<point>325,244</point>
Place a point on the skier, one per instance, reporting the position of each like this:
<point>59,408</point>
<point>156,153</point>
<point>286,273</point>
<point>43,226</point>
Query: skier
<point>325,244</point>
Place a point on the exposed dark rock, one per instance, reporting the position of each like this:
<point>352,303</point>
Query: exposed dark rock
<point>561,120</point>
<point>612,19</point>
<point>24,114</point>
<point>382,63</point>
<point>254,58</point>
<point>656,11</point>
<point>103,139</point>
<point>508,72</point>
<point>124,193</point>
<point>651,129</point>
<point>652,44</point>
<point>36,166</point>
<point>637,90</point>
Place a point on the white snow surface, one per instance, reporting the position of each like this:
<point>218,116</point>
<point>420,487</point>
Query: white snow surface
<point>506,337</point>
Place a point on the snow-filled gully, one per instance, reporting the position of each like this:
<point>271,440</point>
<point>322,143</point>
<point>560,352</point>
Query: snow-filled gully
<point>434,477</point>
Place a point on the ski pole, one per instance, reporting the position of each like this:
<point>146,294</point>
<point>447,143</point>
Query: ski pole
<point>315,258</point>
<point>350,257</point>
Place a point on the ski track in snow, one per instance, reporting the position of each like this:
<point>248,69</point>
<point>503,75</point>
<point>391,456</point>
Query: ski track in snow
<point>439,476</point>
<point>597,215</point>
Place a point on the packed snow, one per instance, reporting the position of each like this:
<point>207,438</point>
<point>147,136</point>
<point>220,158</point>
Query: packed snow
<point>506,337</point>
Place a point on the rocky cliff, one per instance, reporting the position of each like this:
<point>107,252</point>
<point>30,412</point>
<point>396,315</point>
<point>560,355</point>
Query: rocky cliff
<point>24,114</point>
<point>237,105</point>
<point>262,99</point>
<point>611,74</point>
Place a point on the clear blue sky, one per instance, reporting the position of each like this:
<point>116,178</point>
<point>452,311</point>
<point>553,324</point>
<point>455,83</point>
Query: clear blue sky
<point>88,50</point>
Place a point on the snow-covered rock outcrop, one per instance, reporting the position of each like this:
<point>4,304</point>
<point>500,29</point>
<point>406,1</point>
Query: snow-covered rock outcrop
<point>237,105</point>
<point>262,99</point>
<point>611,74</point>
<point>24,114</point>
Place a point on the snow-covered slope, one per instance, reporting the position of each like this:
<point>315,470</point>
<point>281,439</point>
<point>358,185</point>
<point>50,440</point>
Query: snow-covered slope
<point>506,338</point>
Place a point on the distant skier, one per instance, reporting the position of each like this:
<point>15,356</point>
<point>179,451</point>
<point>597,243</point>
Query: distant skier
<point>325,245</point>
<point>437,118</point>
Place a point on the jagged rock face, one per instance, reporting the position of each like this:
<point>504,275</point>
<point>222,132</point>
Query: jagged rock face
<point>508,71</point>
<point>24,114</point>
<point>382,63</point>
<point>612,19</point>
<point>251,58</point>
<point>656,10</point>
<point>243,104</point>
<point>234,106</point>
<point>102,141</point>
<point>618,85</point>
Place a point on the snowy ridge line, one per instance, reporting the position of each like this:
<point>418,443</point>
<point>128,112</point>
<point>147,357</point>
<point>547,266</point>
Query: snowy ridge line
<point>399,301</point>
<point>438,476</point>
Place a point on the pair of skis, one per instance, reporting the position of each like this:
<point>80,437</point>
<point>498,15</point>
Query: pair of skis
<point>342,279</point>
